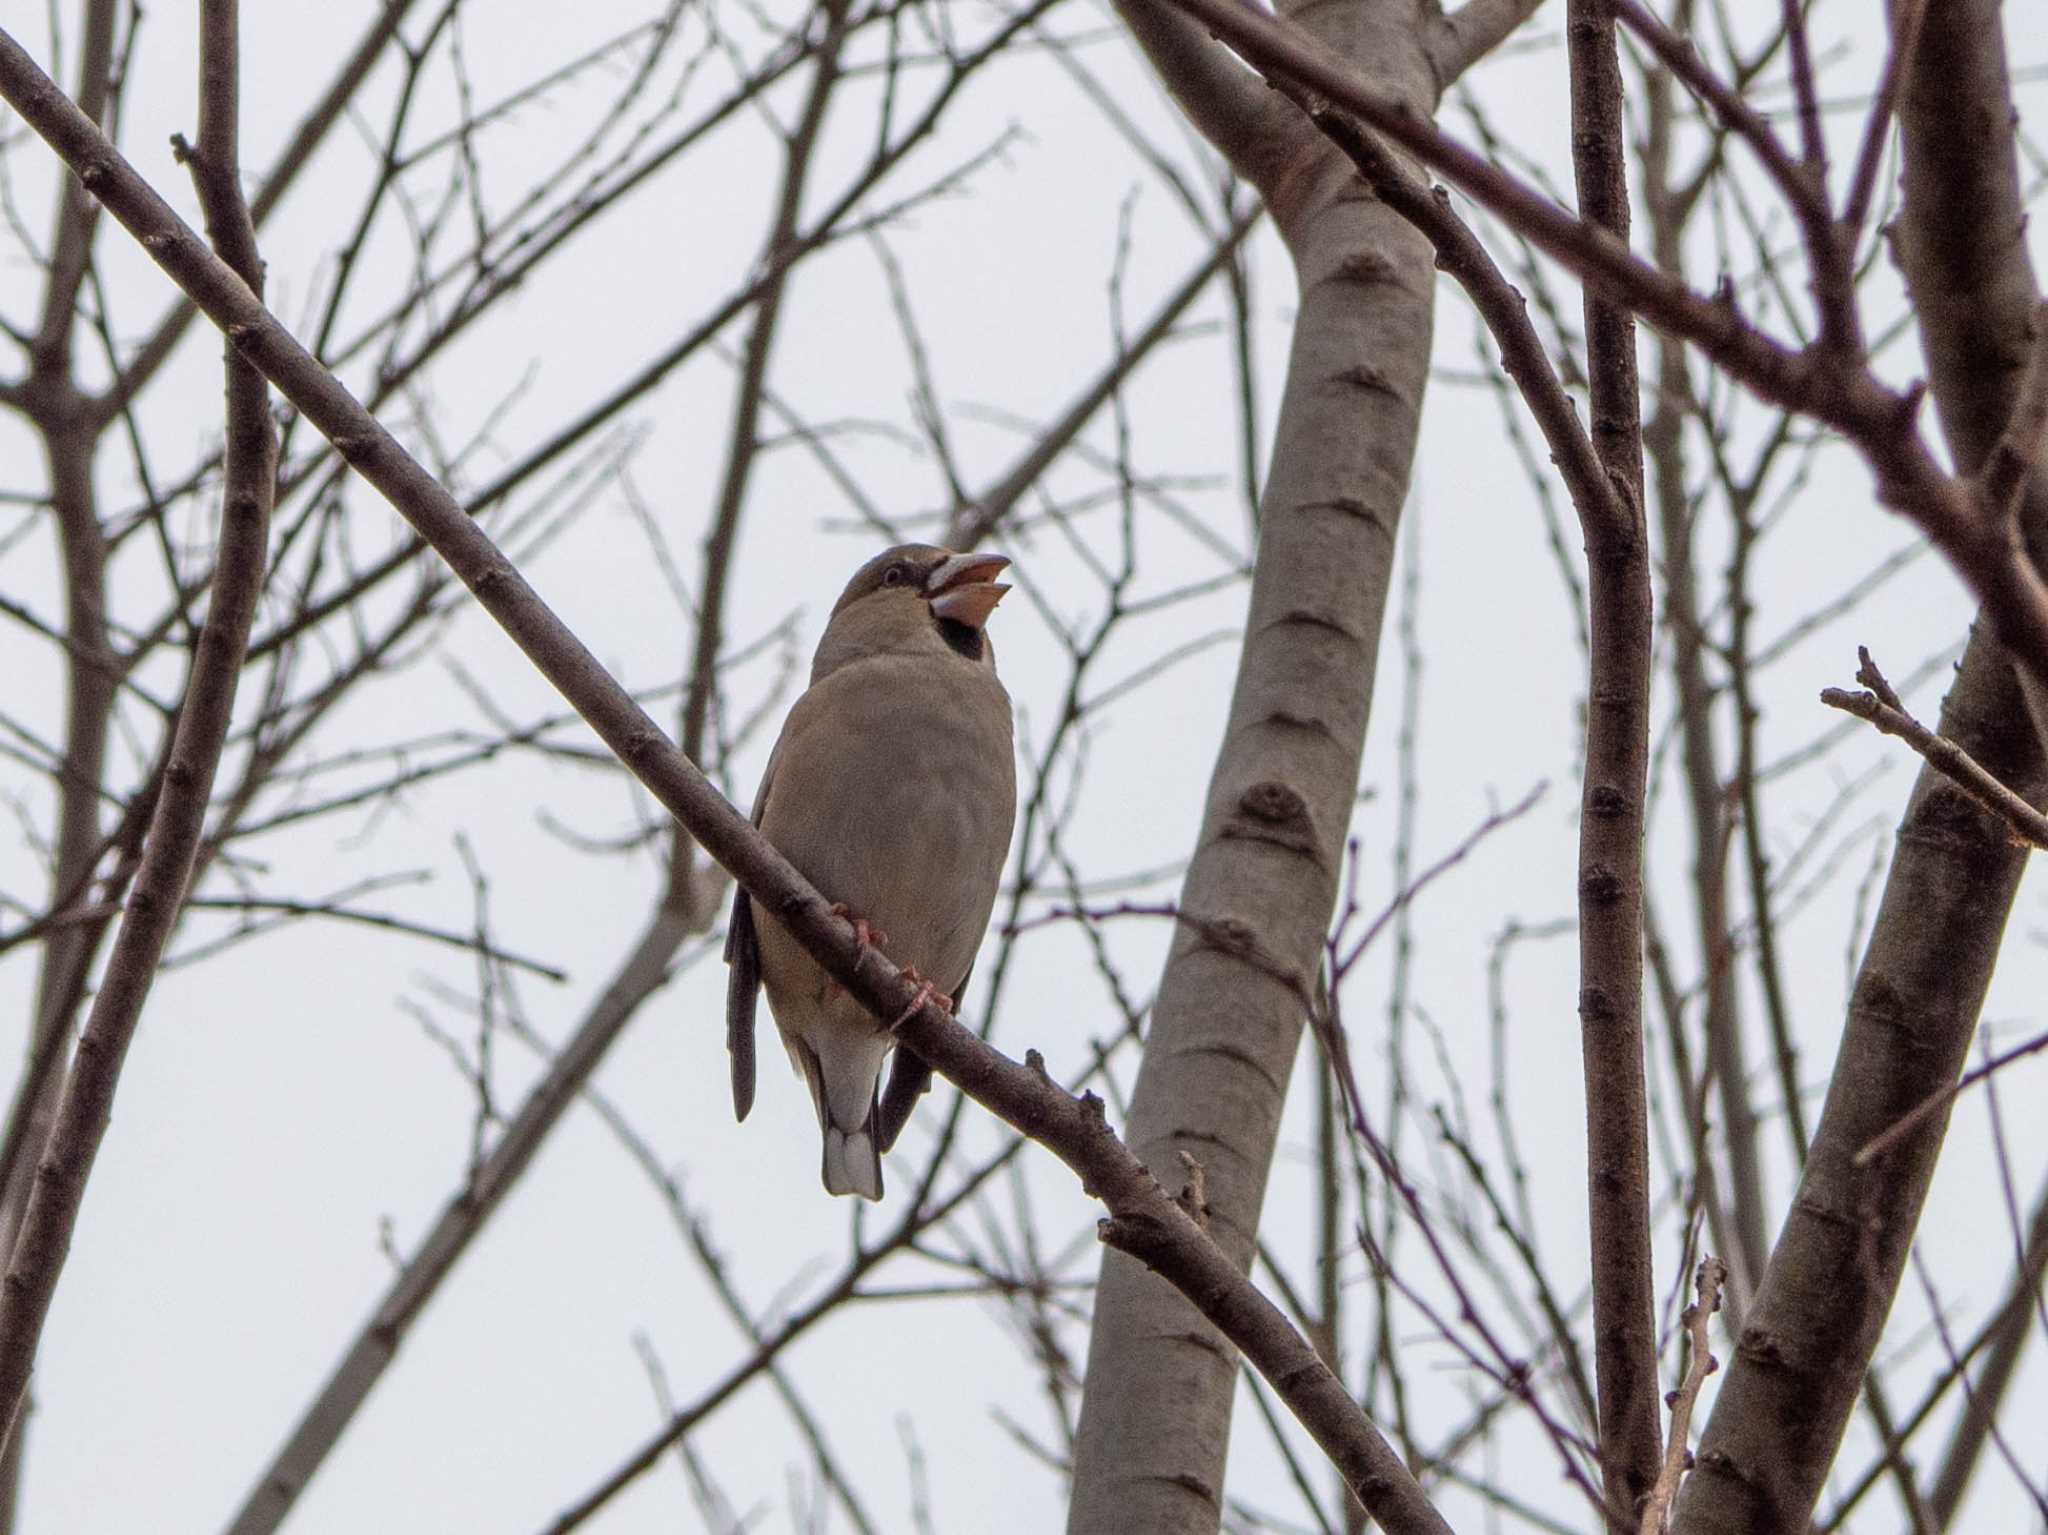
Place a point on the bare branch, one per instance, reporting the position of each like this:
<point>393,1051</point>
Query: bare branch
<point>1611,827</point>
<point>1882,708</point>
<point>1828,382</point>
<point>1713,1273</point>
<point>1877,127</point>
<point>1460,39</point>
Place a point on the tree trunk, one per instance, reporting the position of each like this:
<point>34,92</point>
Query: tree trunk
<point>1155,1419</point>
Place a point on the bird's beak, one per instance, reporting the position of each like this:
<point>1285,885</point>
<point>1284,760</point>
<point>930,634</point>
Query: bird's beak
<point>959,588</point>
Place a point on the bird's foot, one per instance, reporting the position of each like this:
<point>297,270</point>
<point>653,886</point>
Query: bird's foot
<point>926,992</point>
<point>864,939</point>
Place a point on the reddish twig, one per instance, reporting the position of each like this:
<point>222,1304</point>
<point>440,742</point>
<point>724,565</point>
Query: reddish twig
<point>1863,179</point>
<point>1934,1103</point>
<point>1678,55</point>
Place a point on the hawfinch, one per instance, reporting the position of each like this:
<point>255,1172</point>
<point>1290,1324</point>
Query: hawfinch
<point>893,789</point>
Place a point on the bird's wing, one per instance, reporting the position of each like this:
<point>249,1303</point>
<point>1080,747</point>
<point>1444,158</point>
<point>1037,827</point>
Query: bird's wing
<point>743,984</point>
<point>910,1078</point>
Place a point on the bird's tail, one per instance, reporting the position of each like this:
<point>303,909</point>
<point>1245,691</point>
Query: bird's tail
<point>853,1157</point>
<point>853,1163</point>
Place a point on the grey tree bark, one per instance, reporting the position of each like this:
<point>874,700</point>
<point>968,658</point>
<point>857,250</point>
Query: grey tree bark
<point>1155,1418</point>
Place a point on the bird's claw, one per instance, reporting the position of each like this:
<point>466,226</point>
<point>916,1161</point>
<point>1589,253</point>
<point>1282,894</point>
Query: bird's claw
<point>926,992</point>
<point>864,937</point>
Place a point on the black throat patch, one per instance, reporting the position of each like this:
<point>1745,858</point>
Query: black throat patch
<point>964,639</point>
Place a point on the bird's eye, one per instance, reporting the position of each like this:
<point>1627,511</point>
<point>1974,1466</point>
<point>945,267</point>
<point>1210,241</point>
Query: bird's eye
<point>893,576</point>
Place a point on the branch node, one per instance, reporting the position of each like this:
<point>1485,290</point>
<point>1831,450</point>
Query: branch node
<point>1868,674</point>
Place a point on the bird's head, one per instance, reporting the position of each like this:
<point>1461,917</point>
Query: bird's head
<point>914,598</point>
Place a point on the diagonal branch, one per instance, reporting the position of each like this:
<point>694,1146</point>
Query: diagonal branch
<point>1462,38</point>
<point>1881,706</point>
<point>683,912</point>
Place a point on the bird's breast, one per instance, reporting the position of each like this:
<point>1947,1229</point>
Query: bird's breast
<point>895,793</point>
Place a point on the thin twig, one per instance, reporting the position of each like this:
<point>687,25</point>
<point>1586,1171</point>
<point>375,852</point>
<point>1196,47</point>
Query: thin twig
<point>1863,180</point>
<point>1882,708</point>
<point>1934,1103</point>
<point>1678,55</point>
<point>1713,1273</point>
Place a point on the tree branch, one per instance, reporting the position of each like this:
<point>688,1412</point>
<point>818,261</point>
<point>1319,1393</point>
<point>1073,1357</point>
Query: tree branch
<point>1268,854</point>
<point>1883,709</point>
<point>1220,96</point>
<point>1713,1273</point>
<point>1813,1328</point>
<point>1611,822</point>
<point>1461,39</point>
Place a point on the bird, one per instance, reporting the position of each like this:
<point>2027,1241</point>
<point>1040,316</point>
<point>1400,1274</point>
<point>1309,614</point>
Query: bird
<point>893,790</point>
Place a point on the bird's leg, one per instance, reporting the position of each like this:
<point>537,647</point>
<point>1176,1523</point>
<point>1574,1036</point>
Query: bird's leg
<point>926,992</point>
<point>864,939</point>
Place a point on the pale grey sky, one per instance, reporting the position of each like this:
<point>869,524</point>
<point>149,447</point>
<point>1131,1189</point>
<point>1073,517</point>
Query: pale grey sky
<point>282,1104</point>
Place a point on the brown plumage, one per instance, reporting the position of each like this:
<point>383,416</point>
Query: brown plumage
<point>893,789</point>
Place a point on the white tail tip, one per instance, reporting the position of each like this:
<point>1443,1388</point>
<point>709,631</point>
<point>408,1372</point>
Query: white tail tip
<point>852,1164</point>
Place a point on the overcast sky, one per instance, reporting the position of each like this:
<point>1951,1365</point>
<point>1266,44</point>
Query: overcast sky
<point>285,1119</point>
